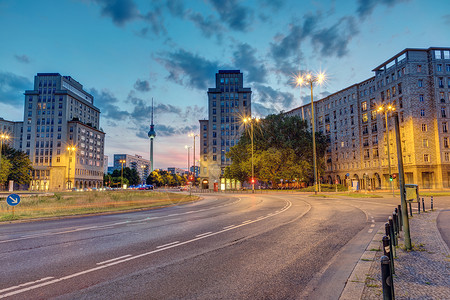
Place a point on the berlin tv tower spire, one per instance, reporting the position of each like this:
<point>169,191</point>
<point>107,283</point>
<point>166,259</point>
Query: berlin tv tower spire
<point>151,135</point>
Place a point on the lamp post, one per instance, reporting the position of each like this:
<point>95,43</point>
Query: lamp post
<point>310,79</point>
<point>2,137</point>
<point>122,161</point>
<point>70,149</point>
<point>188,157</point>
<point>388,108</point>
<point>194,175</point>
<point>250,120</point>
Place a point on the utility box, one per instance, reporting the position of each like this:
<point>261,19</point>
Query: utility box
<point>412,192</point>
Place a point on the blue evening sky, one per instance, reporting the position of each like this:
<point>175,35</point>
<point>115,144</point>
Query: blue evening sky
<point>126,52</point>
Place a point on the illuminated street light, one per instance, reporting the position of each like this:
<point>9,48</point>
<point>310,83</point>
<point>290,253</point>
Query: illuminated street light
<point>188,158</point>
<point>387,108</point>
<point>71,149</point>
<point>2,137</point>
<point>311,79</point>
<point>194,175</point>
<point>122,161</point>
<point>251,121</point>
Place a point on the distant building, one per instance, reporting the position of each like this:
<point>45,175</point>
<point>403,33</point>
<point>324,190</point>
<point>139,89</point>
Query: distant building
<point>417,83</point>
<point>173,170</point>
<point>228,103</point>
<point>59,114</point>
<point>105,164</point>
<point>14,132</point>
<point>141,165</point>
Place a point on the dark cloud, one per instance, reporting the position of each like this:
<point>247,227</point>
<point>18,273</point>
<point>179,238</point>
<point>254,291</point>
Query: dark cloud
<point>186,68</point>
<point>107,103</point>
<point>22,58</point>
<point>335,39</point>
<point>12,87</point>
<point>156,21</point>
<point>165,130</point>
<point>237,17</point>
<point>262,110</point>
<point>120,11</point>
<point>176,7</point>
<point>142,85</point>
<point>268,96</point>
<point>209,26</point>
<point>366,7</point>
<point>244,58</point>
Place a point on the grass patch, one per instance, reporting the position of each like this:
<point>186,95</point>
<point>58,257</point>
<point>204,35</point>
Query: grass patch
<point>375,249</point>
<point>321,196</point>
<point>359,195</point>
<point>434,194</point>
<point>365,259</point>
<point>326,188</point>
<point>75,203</point>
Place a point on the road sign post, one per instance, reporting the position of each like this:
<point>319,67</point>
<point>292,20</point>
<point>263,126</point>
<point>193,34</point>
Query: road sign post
<point>13,200</point>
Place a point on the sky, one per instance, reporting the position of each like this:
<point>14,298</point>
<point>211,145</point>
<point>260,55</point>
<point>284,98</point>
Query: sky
<point>126,52</point>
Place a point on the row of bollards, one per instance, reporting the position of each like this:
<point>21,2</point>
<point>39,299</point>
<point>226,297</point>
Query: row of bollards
<point>423,205</point>
<point>390,241</point>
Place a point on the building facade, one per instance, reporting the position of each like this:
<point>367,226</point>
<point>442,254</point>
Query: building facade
<point>13,131</point>
<point>141,165</point>
<point>61,134</point>
<point>228,103</point>
<point>416,84</point>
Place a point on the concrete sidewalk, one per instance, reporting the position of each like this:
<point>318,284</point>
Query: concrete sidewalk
<point>423,273</point>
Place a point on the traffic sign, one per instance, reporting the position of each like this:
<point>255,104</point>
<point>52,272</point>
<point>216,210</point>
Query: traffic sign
<point>13,199</point>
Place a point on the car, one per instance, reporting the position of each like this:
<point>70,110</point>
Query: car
<point>184,188</point>
<point>149,187</point>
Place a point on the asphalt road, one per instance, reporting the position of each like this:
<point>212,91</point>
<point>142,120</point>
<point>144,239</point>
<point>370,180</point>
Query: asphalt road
<point>262,246</point>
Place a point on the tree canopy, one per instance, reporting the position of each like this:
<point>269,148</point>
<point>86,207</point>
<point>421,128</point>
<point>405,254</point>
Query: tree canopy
<point>15,165</point>
<point>282,150</point>
<point>162,178</point>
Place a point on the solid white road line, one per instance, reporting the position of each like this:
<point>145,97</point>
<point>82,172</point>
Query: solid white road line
<point>228,226</point>
<point>202,234</point>
<point>113,259</point>
<point>169,244</point>
<point>25,284</point>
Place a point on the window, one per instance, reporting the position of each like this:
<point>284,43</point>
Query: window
<point>422,112</point>
<point>439,67</point>
<point>425,143</point>
<point>214,157</point>
<point>426,158</point>
<point>437,54</point>
<point>444,127</point>
<point>443,114</point>
<point>365,118</point>
<point>364,106</point>
<point>441,82</point>
<point>421,98</point>
<point>424,127</point>
<point>446,156</point>
<point>446,142</point>
<point>419,68</point>
<point>447,67</point>
<point>420,83</point>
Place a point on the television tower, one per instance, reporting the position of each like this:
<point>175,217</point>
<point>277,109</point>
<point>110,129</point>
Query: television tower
<point>151,135</point>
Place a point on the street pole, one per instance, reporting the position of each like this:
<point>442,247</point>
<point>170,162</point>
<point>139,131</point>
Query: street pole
<point>388,151</point>
<point>401,176</point>
<point>314,138</point>
<point>68,171</point>
<point>253,166</point>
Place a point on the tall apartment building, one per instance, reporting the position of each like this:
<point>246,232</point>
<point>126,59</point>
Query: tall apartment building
<point>59,114</point>
<point>141,165</point>
<point>228,103</point>
<point>417,83</point>
<point>14,132</point>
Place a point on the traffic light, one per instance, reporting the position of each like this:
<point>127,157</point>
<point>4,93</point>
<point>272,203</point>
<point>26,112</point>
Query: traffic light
<point>394,176</point>
<point>252,180</point>
<point>391,178</point>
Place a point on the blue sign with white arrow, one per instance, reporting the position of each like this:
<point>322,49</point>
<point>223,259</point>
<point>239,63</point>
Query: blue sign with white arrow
<point>13,199</point>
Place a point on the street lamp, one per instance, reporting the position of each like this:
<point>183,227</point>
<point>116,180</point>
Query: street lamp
<point>122,161</point>
<point>2,137</point>
<point>251,121</point>
<point>387,108</point>
<point>188,158</point>
<point>71,149</point>
<point>194,175</point>
<point>310,79</point>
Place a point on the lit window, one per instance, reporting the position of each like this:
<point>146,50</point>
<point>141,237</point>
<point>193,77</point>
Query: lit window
<point>425,143</point>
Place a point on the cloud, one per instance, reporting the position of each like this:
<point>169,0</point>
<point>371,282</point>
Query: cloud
<point>335,39</point>
<point>366,7</point>
<point>12,87</point>
<point>266,95</point>
<point>446,19</point>
<point>236,16</point>
<point>165,130</point>
<point>209,26</point>
<point>176,7</point>
<point>186,68</point>
<point>121,11</point>
<point>22,58</point>
<point>155,18</point>
<point>142,85</point>
<point>107,103</point>
<point>262,110</point>
<point>244,58</point>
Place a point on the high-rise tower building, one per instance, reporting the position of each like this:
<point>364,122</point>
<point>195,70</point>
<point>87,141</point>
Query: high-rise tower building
<point>228,103</point>
<point>61,134</point>
<point>151,135</point>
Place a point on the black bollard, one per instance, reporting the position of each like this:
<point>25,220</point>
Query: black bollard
<point>400,216</point>
<point>410,208</point>
<point>387,250</point>
<point>418,206</point>
<point>386,279</point>
<point>395,217</point>
<point>423,205</point>
<point>431,202</point>
<point>386,229</point>
<point>392,235</point>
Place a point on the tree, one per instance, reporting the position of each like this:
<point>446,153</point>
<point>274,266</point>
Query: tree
<point>282,150</point>
<point>130,174</point>
<point>20,165</point>
<point>5,169</point>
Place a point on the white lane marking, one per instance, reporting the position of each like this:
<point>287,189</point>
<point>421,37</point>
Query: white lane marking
<point>169,244</point>
<point>101,228</point>
<point>373,225</point>
<point>25,284</point>
<point>113,259</point>
<point>228,226</point>
<point>202,234</point>
<point>248,221</point>
<point>370,231</point>
<point>286,207</point>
